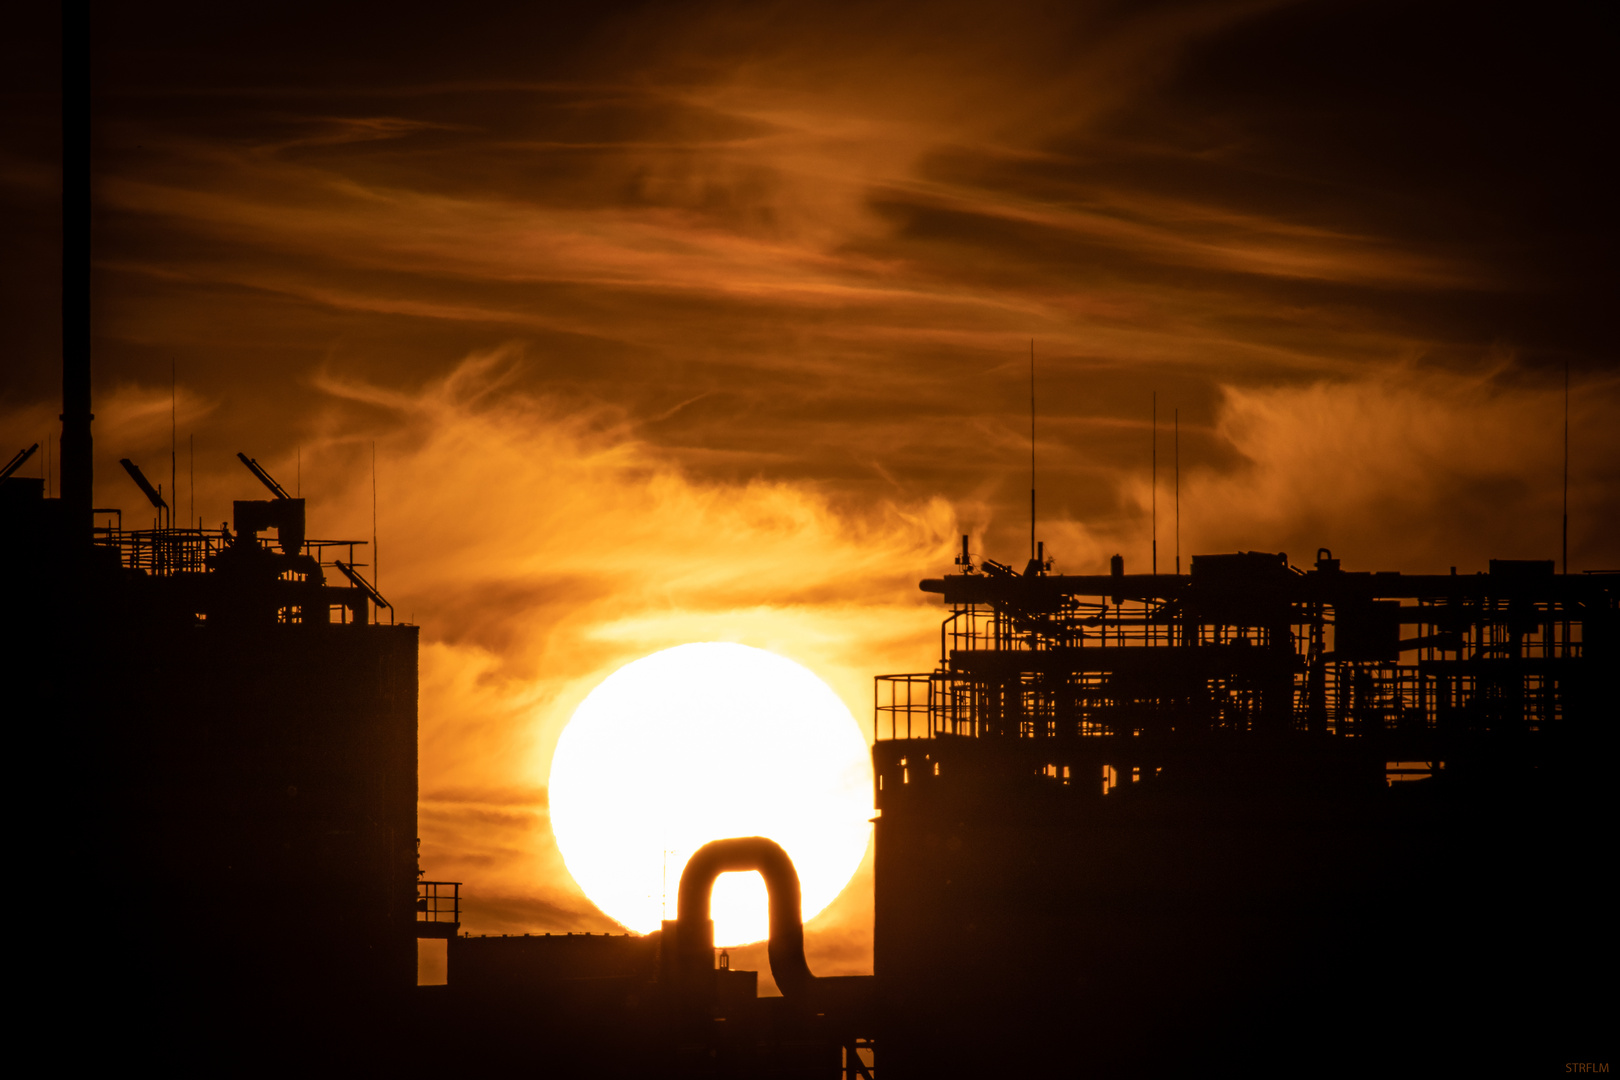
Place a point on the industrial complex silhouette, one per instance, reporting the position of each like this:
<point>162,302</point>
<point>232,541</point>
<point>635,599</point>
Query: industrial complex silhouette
<point>1250,810</point>
<point>1278,815</point>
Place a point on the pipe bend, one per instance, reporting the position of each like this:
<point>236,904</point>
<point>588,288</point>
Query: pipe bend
<point>695,932</point>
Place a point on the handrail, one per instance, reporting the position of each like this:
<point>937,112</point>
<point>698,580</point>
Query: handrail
<point>432,904</point>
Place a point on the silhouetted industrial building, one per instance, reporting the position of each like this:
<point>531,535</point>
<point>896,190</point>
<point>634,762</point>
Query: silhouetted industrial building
<point>661,1004</point>
<point>1255,814</point>
<point>251,734</point>
<point>1254,810</point>
<point>1258,815</point>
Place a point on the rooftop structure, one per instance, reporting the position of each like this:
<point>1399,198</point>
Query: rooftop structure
<point>1249,645</point>
<point>1247,811</point>
<point>247,729</point>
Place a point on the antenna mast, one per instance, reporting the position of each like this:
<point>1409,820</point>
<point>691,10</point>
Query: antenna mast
<point>1566,464</point>
<point>174,486</point>
<point>1153,473</point>
<point>1032,448</point>
<point>1177,444</point>
<point>376,572</point>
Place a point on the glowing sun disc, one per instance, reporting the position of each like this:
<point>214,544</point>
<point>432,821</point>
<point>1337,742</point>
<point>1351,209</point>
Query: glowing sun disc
<point>697,743</point>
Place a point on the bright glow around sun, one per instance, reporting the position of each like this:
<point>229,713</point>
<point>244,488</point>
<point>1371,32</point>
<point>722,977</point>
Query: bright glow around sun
<point>697,743</point>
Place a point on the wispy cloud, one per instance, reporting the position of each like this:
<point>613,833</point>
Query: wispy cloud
<point>545,548</point>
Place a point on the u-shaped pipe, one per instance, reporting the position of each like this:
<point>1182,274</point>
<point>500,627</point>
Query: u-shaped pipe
<point>694,932</point>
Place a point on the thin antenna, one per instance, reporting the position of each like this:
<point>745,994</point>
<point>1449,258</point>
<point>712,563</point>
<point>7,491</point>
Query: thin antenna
<point>1177,415</point>
<point>376,572</point>
<point>1566,464</point>
<point>191,484</point>
<point>1032,448</point>
<point>1154,474</point>
<point>173,394</point>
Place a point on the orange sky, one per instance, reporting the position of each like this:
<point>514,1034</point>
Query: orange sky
<point>714,323</point>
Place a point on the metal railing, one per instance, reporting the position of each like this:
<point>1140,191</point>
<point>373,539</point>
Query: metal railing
<point>163,551</point>
<point>435,904</point>
<point>1484,664</point>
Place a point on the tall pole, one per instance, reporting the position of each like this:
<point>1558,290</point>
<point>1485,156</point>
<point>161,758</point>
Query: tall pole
<point>1032,448</point>
<point>1566,464</point>
<point>76,458</point>
<point>1153,474</point>
<point>376,559</point>
<point>173,443</point>
<point>1177,452</point>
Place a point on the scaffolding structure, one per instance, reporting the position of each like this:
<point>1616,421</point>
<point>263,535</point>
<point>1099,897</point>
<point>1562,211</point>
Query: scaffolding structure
<point>220,573</point>
<point>1251,645</point>
<point>1160,809</point>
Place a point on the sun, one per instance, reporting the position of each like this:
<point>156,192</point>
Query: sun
<point>697,743</point>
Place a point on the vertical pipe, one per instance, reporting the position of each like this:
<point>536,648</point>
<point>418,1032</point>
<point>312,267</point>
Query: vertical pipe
<point>1153,473</point>
<point>75,459</point>
<point>174,457</point>
<point>1032,448</point>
